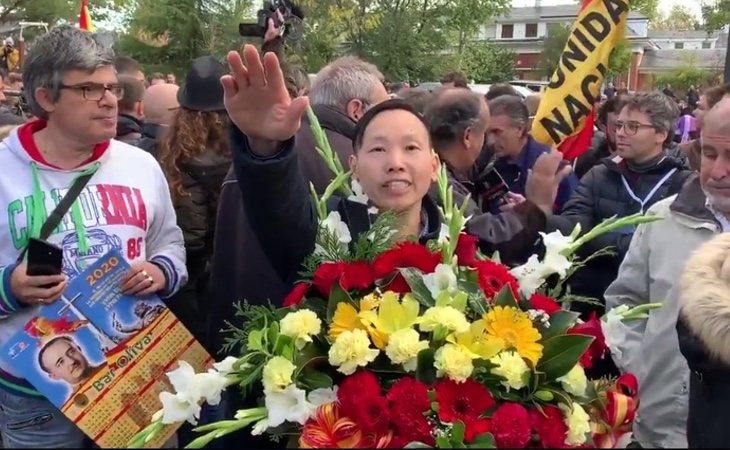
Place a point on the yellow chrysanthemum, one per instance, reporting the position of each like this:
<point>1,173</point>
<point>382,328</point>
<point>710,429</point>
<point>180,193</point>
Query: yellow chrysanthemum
<point>515,329</point>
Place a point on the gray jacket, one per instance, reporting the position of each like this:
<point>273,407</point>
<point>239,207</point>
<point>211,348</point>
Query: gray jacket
<point>650,349</point>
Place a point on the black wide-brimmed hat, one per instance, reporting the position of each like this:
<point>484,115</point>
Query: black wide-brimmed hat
<point>202,90</point>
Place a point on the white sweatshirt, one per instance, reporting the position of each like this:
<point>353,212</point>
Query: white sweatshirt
<point>126,205</point>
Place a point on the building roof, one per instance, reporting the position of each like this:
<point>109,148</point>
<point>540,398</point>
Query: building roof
<point>672,35</point>
<point>549,12</point>
<point>670,59</point>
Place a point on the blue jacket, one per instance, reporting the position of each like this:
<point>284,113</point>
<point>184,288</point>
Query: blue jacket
<point>515,173</point>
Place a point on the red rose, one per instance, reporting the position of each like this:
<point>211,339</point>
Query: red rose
<point>545,303</point>
<point>493,276</point>
<point>326,276</point>
<point>598,348</point>
<point>511,426</point>
<point>357,275</point>
<point>466,250</point>
<point>372,414</point>
<point>550,426</point>
<point>296,295</point>
<point>404,254</point>
<point>360,384</point>
<point>466,402</point>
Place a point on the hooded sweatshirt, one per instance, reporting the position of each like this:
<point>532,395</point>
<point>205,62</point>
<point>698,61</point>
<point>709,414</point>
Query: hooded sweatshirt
<point>125,206</point>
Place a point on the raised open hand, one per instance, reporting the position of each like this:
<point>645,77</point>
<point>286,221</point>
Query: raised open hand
<point>257,100</point>
<point>544,179</point>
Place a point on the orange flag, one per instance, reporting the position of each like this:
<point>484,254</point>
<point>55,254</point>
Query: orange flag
<point>85,18</point>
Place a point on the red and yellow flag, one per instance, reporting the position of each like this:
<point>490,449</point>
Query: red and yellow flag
<point>85,22</point>
<point>565,116</point>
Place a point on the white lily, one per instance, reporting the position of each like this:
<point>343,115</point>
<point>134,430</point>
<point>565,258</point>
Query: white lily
<point>530,275</point>
<point>555,244</point>
<point>211,385</point>
<point>289,405</point>
<point>178,408</point>
<point>442,279</point>
<point>226,366</point>
<point>335,225</point>
<point>322,396</point>
<point>183,381</point>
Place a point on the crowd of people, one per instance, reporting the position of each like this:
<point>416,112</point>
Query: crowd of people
<point>220,169</point>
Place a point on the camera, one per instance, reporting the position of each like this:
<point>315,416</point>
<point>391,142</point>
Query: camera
<point>291,18</point>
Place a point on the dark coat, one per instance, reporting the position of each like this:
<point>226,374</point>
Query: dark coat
<point>129,128</point>
<point>202,178</point>
<point>600,195</point>
<point>514,173</point>
<point>240,269</point>
<point>151,135</point>
<point>703,331</point>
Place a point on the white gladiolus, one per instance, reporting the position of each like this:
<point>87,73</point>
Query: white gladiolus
<point>442,279</point>
<point>178,408</point>
<point>335,225</point>
<point>289,405</point>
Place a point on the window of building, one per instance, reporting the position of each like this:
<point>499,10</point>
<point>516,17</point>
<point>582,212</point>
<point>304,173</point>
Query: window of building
<point>508,31</point>
<point>707,44</point>
<point>679,45</point>
<point>531,30</point>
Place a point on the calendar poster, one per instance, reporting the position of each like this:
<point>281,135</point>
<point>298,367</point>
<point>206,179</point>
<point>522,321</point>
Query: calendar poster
<point>101,356</point>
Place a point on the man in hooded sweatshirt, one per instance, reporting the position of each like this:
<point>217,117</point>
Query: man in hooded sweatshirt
<point>125,205</point>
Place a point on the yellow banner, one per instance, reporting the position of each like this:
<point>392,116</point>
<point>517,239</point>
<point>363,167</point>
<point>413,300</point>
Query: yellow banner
<point>577,81</point>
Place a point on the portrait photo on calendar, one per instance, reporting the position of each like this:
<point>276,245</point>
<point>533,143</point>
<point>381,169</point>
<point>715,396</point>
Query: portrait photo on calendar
<point>76,345</point>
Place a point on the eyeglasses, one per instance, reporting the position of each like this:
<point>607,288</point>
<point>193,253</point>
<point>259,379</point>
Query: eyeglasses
<point>631,128</point>
<point>95,91</point>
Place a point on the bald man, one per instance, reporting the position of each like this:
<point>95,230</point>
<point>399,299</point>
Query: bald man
<point>650,272</point>
<point>160,107</point>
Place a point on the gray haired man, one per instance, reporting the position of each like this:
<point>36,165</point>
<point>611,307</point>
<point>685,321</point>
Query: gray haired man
<point>72,88</point>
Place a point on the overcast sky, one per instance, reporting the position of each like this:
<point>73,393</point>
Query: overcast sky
<point>664,5</point>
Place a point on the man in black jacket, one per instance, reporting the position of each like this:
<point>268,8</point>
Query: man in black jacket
<point>637,176</point>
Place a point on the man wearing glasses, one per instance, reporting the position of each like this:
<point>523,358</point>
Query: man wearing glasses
<point>639,173</point>
<point>73,90</point>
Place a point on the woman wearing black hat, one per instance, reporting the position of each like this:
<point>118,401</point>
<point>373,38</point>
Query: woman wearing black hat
<point>195,156</point>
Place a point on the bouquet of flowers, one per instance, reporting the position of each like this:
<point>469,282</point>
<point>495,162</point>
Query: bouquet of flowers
<point>404,345</point>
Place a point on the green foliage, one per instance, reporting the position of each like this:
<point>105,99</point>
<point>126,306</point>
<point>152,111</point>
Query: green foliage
<point>688,75</point>
<point>561,353</point>
<point>174,32</point>
<point>619,61</point>
<point>552,48</point>
<point>679,18</point>
<point>488,63</point>
<point>716,15</point>
<point>649,8</point>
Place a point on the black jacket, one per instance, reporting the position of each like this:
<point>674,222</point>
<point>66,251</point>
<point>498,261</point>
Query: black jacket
<point>129,128</point>
<point>151,135</point>
<point>599,149</point>
<point>602,194</point>
<point>202,178</point>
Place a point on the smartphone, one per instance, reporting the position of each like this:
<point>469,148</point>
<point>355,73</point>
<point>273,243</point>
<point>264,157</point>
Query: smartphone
<point>495,187</point>
<point>44,258</point>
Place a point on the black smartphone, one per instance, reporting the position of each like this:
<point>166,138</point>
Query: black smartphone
<point>44,258</point>
<point>495,187</point>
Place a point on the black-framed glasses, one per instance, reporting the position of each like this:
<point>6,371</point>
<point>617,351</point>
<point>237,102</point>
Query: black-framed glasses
<point>95,91</point>
<point>631,128</point>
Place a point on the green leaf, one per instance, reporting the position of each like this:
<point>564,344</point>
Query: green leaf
<point>337,295</point>
<point>254,340</point>
<point>544,395</point>
<point>477,301</point>
<point>272,335</point>
<point>485,440</point>
<point>425,370</point>
<point>561,353</point>
<point>285,347</point>
<point>505,297</point>
<point>559,322</point>
<point>442,442</point>
<point>457,432</point>
<point>314,379</point>
<point>414,278</point>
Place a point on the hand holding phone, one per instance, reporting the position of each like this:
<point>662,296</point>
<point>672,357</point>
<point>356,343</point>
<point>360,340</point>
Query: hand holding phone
<point>40,279</point>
